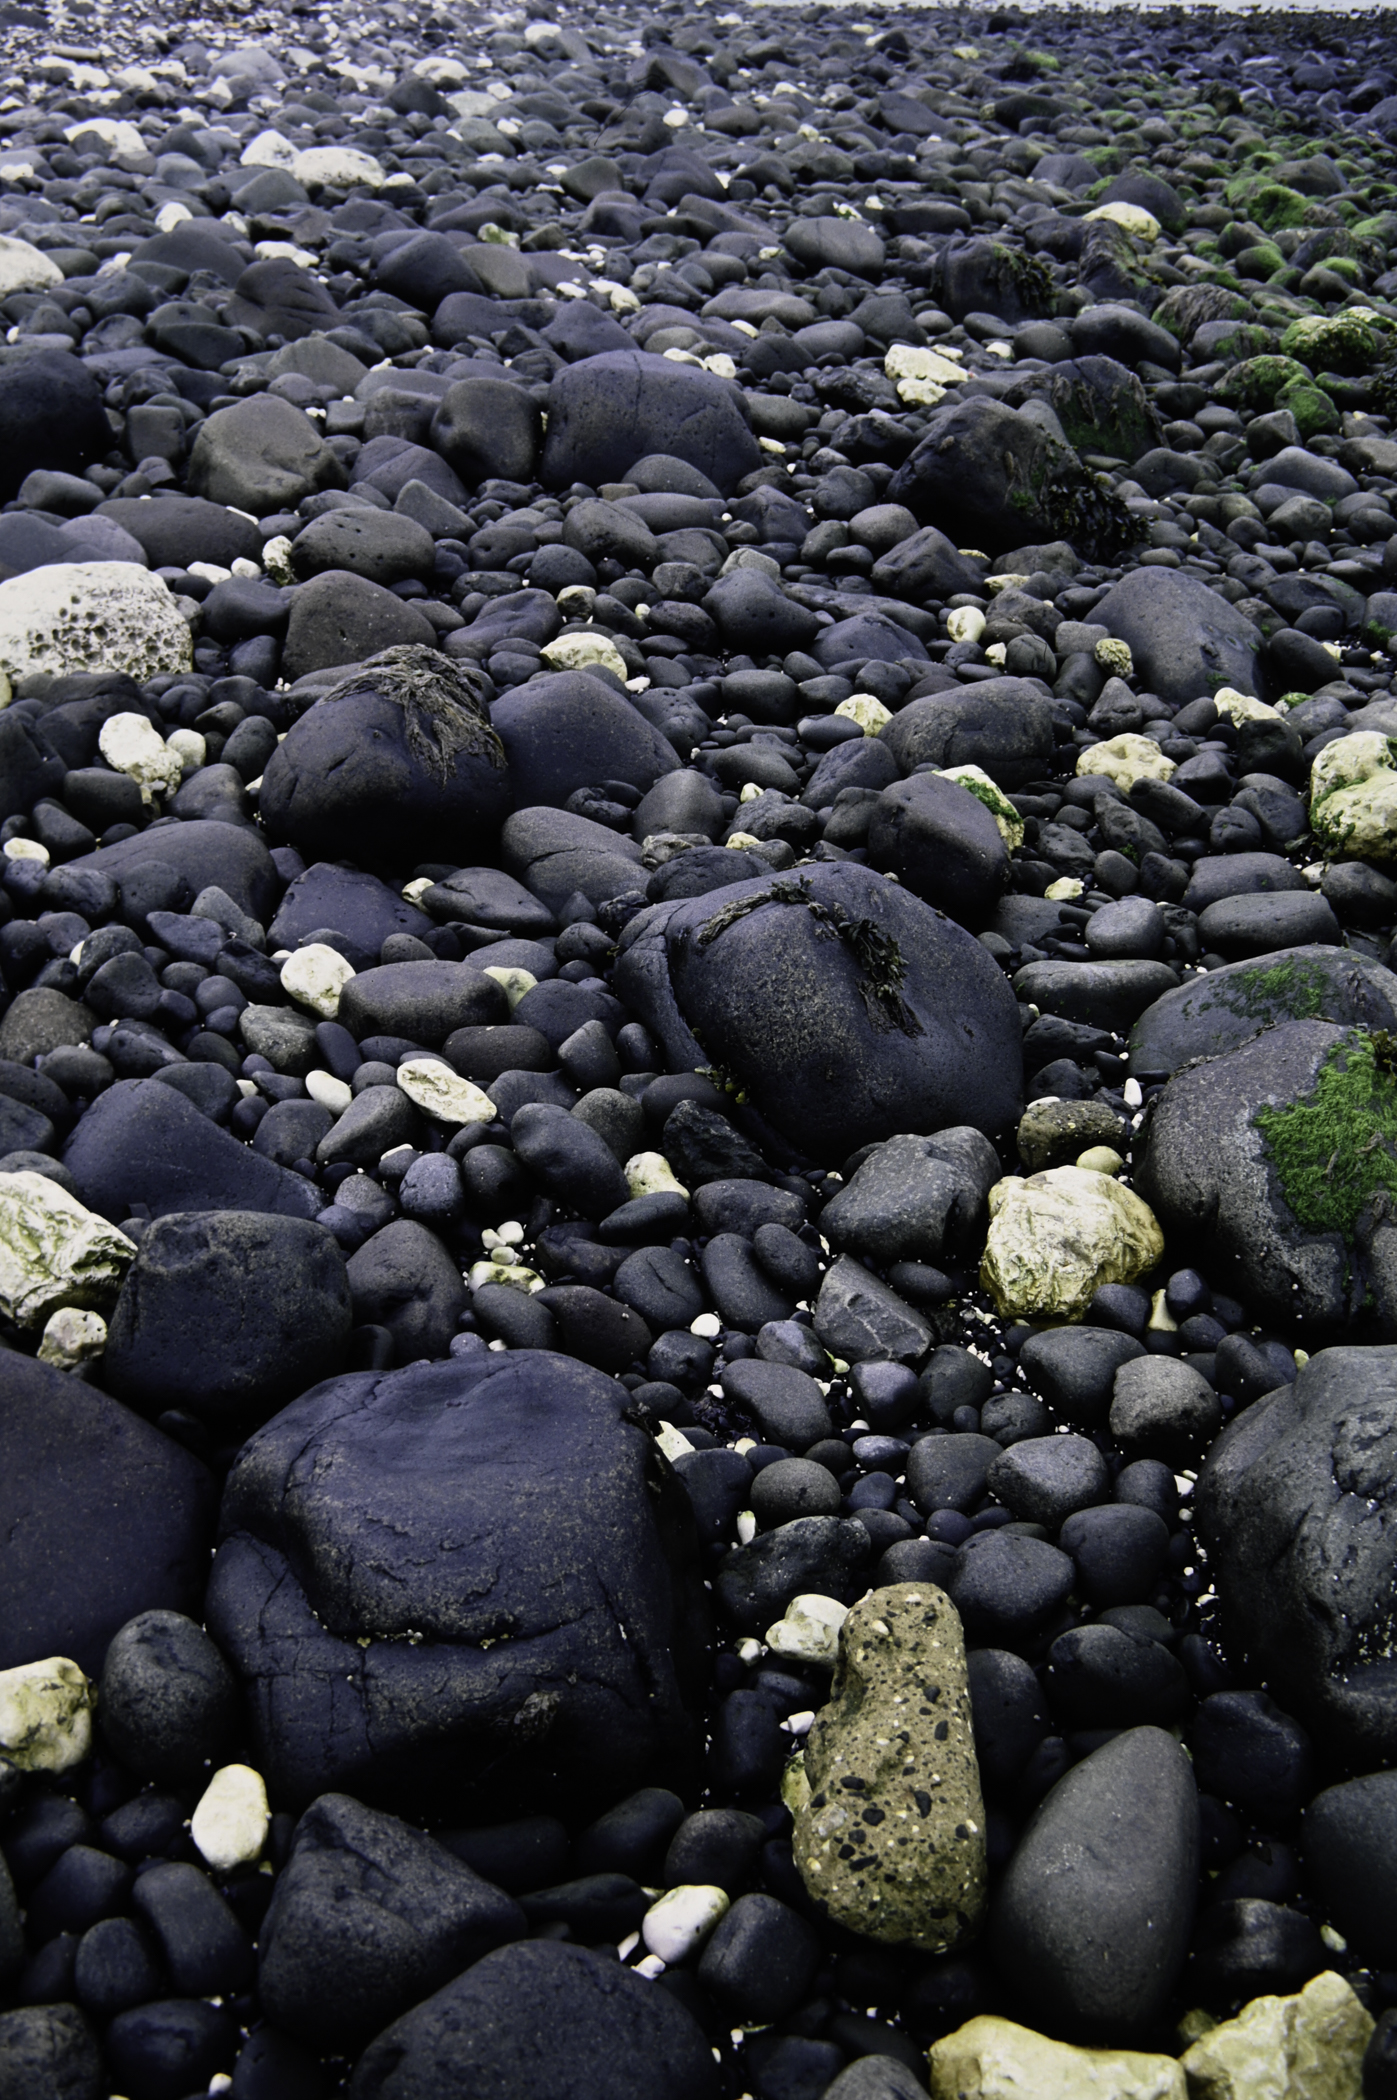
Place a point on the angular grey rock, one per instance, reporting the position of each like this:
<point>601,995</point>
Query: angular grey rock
<point>914,1198</point>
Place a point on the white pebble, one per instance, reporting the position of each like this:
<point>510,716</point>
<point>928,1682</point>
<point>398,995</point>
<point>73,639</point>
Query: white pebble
<point>45,1715</point>
<point>809,1632</point>
<point>230,1824</point>
<point>334,1094</point>
<point>707,1327</point>
<point>443,1093</point>
<point>682,1920</point>
<point>316,975</point>
<point>72,1340</point>
<point>131,745</point>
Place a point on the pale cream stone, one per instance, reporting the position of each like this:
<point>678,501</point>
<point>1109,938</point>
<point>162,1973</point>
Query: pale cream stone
<point>231,1822</point>
<point>334,1094</point>
<point>1309,2046</point>
<point>965,623</point>
<point>46,1715</point>
<point>316,975</point>
<point>1099,1159</point>
<point>1126,759</point>
<point>443,1093</point>
<point>650,1174</point>
<point>809,1631</point>
<point>337,167</point>
<point>868,711</point>
<point>1056,1237</point>
<point>513,1275</point>
<point>1353,796</point>
<point>1132,217</point>
<point>132,745</point>
<point>1241,707</point>
<point>682,1919</point>
<point>24,268</point>
<point>513,983</point>
<point>54,1252</point>
<point>72,1340</point>
<point>579,652</point>
<point>1114,656</point>
<point>91,616</point>
<point>994,2059</point>
<point>268,150</point>
<point>189,747</point>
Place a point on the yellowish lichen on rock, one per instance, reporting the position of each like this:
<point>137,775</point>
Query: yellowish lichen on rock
<point>1056,1237</point>
<point>45,1715</point>
<point>1310,2045</point>
<point>1353,796</point>
<point>1126,759</point>
<point>55,1252</point>
<point>994,2059</point>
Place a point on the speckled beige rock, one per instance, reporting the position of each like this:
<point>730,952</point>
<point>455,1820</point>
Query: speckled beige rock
<point>92,616</point>
<point>1055,1238</point>
<point>993,2059</point>
<point>1126,759</point>
<point>316,975</point>
<point>337,167</point>
<point>45,1715</point>
<point>892,1839</point>
<point>1309,2046</point>
<point>73,1340</point>
<point>579,652</point>
<point>55,1252</point>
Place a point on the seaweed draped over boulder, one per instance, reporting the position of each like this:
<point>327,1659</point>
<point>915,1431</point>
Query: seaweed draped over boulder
<point>841,1006</point>
<point>391,765</point>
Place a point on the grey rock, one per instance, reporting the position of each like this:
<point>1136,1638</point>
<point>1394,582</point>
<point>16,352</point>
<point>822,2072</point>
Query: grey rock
<point>261,455</point>
<point>369,1917</point>
<point>914,1198</point>
<point>1162,1408</point>
<point>606,412</point>
<point>1045,1479</point>
<point>861,1318</point>
<point>1211,1015</point>
<point>1094,1912</point>
<point>1296,1509</point>
<point>1002,725</point>
<point>339,617</point>
<point>1185,639</point>
<point>380,545</point>
<point>168,1699</point>
<point>754,1584</point>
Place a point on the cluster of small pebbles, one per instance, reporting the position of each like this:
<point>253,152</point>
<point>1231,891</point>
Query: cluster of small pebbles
<point>698,1062</point>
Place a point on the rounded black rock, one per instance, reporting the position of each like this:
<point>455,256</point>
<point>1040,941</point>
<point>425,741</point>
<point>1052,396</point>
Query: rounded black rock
<point>168,1699</point>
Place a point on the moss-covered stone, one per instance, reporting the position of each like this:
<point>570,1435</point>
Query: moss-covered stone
<point>1347,342</point>
<point>1258,382</point>
<point>1353,796</point>
<point>1335,1149</point>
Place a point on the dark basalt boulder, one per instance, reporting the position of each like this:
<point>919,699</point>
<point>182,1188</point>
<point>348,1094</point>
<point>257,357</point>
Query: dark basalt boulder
<point>467,1583</point>
<point>845,1008</point>
<point>391,767</point>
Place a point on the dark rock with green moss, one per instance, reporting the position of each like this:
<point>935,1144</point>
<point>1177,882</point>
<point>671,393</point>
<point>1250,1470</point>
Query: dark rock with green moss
<point>1214,1014</point>
<point>993,479</point>
<point>1276,1165</point>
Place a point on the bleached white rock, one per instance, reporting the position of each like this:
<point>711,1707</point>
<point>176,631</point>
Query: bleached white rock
<point>124,141</point>
<point>91,616</point>
<point>24,268</point>
<point>72,1340</point>
<point>231,1822</point>
<point>316,975</point>
<point>268,150</point>
<point>45,1715</point>
<point>334,1094</point>
<point>54,1251</point>
<point>682,1919</point>
<point>132,745</point>
<point>580,652</point>
<point>868,711</point>
<point>809,1632</point>
<point>443,1093</point>
<point>337,167</point>
<point>650,1174</point>
<point>512,982</point>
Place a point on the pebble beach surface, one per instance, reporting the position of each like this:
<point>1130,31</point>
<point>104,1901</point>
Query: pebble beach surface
<point>698,1062</point>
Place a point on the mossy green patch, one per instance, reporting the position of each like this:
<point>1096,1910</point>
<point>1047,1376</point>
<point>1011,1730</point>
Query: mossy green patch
<point>1314,411</point>
<point>1345,342</point>
<point>1334,1150</point>
<point>1258,381</point>
<point>1284,991</point>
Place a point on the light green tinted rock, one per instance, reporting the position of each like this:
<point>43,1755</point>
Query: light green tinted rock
<point>1310,2045</point>
<point>1055,1238</point>
<point>45,1715</point>
<point>890,1764</point>
<point>1353,796</point>
<point>993,2059</point>
<point>55,1252</point>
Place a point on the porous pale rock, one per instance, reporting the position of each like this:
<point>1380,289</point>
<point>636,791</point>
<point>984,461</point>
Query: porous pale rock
<point>1056,1237</point>
<point>580,652</point>
<point>682,1919</point>
<point>1126,759</point>
<point>1310,2044</point>
<point>443,1093</point>
<point>92,616</point>
<point>54,1252</point>
<point>72,1339</point>
<point>24,268</point>
<point>231,1822</point>
<point>337,167</point>
<point>994,2059</point>
<point>132,745</point>
<point>316,975</point>
<point>809,1632</point>
<point>867,710</point>
<point>650,1174</point>
<point>1242,707</point>
<point>1133,217</point>
<point>45,1715</point>
<point>891,1768</point>
<point>1353,796</point>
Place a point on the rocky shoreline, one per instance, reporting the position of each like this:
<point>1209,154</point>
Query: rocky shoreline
<point>698,1121</point>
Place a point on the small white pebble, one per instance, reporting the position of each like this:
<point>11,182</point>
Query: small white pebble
<point>682,1919</point>
<point>334,1094</point>
<point>231,1822</point>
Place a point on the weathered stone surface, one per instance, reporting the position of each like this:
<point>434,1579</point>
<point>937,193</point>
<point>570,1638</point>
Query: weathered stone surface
<point>1310,2044</point>
<point>994,2059</point>
<point>91,616</point>
<point>54,1252</point>
<point>1055,1238</point>
<point>45,1715</point>
<point>891,1768</point>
